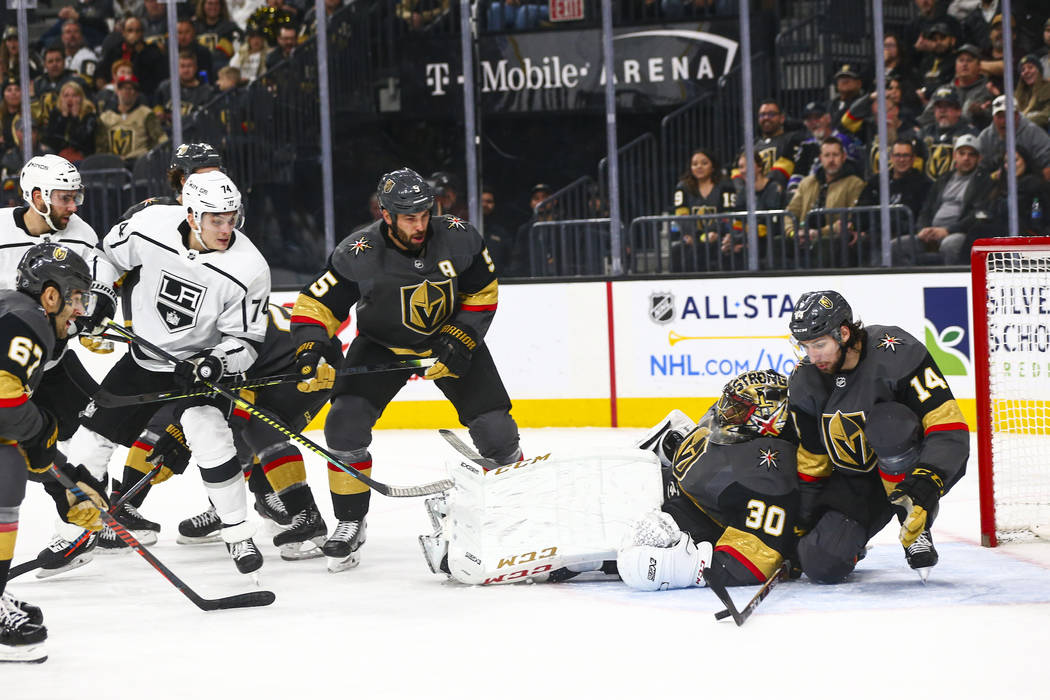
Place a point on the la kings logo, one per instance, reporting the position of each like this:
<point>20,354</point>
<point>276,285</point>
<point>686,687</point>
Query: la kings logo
<point>178,301</point>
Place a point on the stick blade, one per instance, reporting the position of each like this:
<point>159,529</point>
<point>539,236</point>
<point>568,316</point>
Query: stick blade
<point>254,599</point>
<point>414,491</point>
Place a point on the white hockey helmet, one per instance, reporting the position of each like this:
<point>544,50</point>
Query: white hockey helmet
<point>49,173</point>
<point>211,192</point>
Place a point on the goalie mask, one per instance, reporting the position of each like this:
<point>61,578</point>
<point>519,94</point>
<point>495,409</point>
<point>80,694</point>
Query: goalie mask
<point>818,314</point>
<point>752,405</point>
<point>212,192</point>
<point>47,174</point>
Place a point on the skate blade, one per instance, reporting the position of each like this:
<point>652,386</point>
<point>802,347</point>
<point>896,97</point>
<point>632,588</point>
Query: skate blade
<point>146,537</point>
<point>254,576</point>
<point>207,539</point>
<point>24,654</point>
<point>296,551</point>
<point>338,564</point>
<point>74,563</point>
<point>924,573</point>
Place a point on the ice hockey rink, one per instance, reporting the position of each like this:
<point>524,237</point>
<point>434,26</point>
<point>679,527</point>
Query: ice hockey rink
<point>390,629</point>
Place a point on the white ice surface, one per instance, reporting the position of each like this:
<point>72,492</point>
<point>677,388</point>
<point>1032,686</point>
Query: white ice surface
<point>390,629</point>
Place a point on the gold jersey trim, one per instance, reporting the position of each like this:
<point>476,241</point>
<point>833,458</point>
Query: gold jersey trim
<point>311,308</point>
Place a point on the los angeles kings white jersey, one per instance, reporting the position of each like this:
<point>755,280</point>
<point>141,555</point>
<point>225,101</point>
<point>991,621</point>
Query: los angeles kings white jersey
<point>186,301</point>
<point>15,240</point>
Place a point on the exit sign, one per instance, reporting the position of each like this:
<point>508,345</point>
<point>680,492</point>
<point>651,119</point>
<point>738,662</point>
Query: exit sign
<point>566,10</point>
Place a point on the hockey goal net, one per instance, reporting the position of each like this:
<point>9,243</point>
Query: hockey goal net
<point>1011,316</point>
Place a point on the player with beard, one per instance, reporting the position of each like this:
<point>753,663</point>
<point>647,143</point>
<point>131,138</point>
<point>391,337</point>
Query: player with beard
<point>424,287</point>
<point>881,434</point>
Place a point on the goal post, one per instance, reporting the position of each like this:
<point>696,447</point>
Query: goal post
<point>1011,321</point>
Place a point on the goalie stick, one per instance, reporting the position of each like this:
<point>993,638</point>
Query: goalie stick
<point>740,616</point>
<point>240,600</point>
<point>34,564</point>
<point>107,399</point>
<point>264,416</point>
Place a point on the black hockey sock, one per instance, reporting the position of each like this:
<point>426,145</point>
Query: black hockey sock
<point>352,506</point>
<point>257,482</point>
<point>297,498</point>
<point>5,566</point>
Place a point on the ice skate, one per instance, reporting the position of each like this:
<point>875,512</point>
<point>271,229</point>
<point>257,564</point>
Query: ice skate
<point>200,529</point>
<point>62,555</point>
<point>343,548</point>
<point>270,507</point>
<point>110,543</point>
<point>21,639</point>
<point>242,549</point>
<point>435,551</point>
<point>304,537</point>
<point>35,614</point>
<point>139,526</point>
<point>922,555</point>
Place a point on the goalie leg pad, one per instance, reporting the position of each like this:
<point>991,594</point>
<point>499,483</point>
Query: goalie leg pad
<point>208,436</point>
<point>647,568</point>
<point>495,434</point>
<point>92,450</point>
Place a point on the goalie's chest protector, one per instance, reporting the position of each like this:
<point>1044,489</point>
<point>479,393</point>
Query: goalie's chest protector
<point>405,299</point>
<point>841,402</point>
<point>721,479</point>
<point>181,293</point>
<point>15,241</point>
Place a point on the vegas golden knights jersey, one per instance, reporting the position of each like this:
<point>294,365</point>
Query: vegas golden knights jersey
<point>403,299</point>
<point>830,410</point>
<point>28,340</point>
<point>748,488</point>
<point>939,147</point>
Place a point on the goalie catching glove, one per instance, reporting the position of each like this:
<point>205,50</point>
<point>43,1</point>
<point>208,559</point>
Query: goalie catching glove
<point>453,347</point>
<point>918,494</point>
<point>40,449</point>
<point>172,452</point>
<point>315,363</point>
<point>83,514</point>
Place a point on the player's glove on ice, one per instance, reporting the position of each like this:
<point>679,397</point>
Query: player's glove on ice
<point>40,448</point>
<point>918,494</point>
<point>171,451</point>
<point>84,514</point>
<point>453,347</point>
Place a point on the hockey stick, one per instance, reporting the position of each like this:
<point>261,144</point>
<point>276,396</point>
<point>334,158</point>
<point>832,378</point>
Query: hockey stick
<point>264,416</point>
<point>106,399</point>
<point>34,564</point>
<point>241,600</point>
<point>740,616</point>
<point>466,450</point>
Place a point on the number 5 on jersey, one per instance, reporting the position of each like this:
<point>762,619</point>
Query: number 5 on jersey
<point>323,284</point>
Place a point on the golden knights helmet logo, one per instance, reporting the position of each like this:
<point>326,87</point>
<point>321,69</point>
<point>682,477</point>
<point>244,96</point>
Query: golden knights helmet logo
<point>425,306</point>
<point>847,444</point>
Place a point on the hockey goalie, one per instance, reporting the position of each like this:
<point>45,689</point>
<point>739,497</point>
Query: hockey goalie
<point>719,496</point>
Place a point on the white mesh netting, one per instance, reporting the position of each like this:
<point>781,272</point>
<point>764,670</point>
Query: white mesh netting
<point>1018,286</point>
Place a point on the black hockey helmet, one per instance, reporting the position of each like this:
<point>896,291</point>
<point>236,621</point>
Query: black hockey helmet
<point>404,191</point>
<point>753,404</point>
<point>55,265</point>
<point>188,158</point>
<point>820,313</point>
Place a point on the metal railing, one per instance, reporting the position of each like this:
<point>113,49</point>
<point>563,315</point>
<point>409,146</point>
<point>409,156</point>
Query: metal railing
<point>640,192</point>
<point>108,193</point>
<point>570,248</point>
<point>580,199</point>
<point>852,236</point>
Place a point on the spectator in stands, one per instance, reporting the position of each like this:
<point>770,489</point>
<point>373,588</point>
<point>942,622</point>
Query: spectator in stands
<point>977,23</point>
<point>1033,92</point>
<point>47,84</point>
<point>497,240</point>
<point>908,187</point>
<point>229,79</point>
<point>848,88</point>
<point>769,196</point>
<point>938,65</point>
<point>948,210</point>
<point>131,129</point>
<point>271,17</point>
<point>10,108</point>
<point>830,187</point>
<point>9,56</point>
<point>418,15</point>
<point>939,136</point>
<point>700,192</point>
<point>79,58</point>
<point>91,17</point>
<point>106,97</point>
<point>917,33</point>
<point>818,124</point>
<point>519,265</point>
<point>148,63</point>
<point>895,58</point>
<point>972,86</point>
<point>287,38</point>
<point>310,18</point>
<point>992,60</point>
<point>1033,196</point>
<point>992,141</point>
<point>1044,51</point>
<point>216,31</point>
<point>13,157</point>
<point>251,54</point>
<point>446,195</point>
<point>186,35</point>
<point>374,210</point>
<point>72,123</point>
<point>775,145</point>
<point>193,91</point>
<point>154,18</point>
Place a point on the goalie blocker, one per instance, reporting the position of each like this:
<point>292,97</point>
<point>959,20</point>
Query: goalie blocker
<point>725,500</point>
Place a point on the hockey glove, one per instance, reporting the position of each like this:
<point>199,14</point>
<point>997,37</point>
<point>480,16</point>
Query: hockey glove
<point>40,449</point>
<point>315,362</point>
<point>105,309</point>
<point>918,494</point>
<point>172,452</point>
<point>452,347</point>
<point>84,514</point>
<point>200,367</point>
<point>94,343</point>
